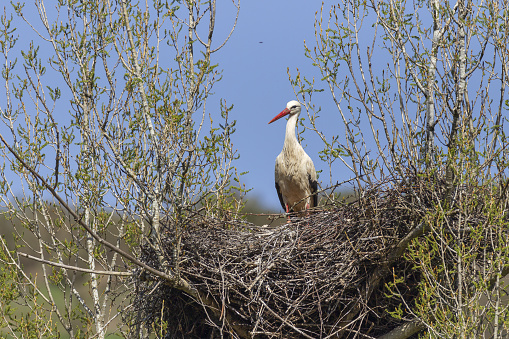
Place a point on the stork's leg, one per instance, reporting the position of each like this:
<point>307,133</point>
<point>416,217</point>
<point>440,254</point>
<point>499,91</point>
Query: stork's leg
<point>288,221</point>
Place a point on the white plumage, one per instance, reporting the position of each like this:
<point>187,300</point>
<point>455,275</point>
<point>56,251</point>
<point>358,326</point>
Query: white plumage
<point>295,173</point>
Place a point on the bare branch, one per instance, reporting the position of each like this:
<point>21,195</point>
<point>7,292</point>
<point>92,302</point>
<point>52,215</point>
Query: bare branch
<point>404,331</point>
<point>75,268</point>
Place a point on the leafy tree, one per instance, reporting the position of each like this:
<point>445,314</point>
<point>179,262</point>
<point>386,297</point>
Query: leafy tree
<point>96,162</point>
<point>421,90</point>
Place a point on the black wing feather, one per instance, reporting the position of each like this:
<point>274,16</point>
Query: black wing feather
<point>280,197</point>
<point>314,187</point>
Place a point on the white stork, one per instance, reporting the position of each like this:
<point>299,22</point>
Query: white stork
<point>295,173</point>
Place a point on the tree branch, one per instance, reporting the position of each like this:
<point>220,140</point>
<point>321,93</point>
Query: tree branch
<point>75,268</point>
<point>404,331</point>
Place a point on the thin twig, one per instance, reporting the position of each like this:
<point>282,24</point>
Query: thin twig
<point>75,268</point>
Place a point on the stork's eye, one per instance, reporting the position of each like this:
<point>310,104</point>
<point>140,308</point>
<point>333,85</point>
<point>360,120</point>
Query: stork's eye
<point>294,106</point>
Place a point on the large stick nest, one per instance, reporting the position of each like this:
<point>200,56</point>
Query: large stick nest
<point>319,276</point>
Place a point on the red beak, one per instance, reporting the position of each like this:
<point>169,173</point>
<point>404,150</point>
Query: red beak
<point>280,115</point>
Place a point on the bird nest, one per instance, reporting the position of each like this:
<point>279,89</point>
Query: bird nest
<point>320,276</point>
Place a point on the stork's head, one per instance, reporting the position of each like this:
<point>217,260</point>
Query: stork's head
<point>292,108</point>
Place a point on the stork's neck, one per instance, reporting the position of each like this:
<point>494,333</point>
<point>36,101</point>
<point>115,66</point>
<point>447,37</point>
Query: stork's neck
<point>290,138</point>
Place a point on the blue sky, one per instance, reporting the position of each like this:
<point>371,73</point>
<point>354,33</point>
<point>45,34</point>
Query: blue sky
<point>269,38</point>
